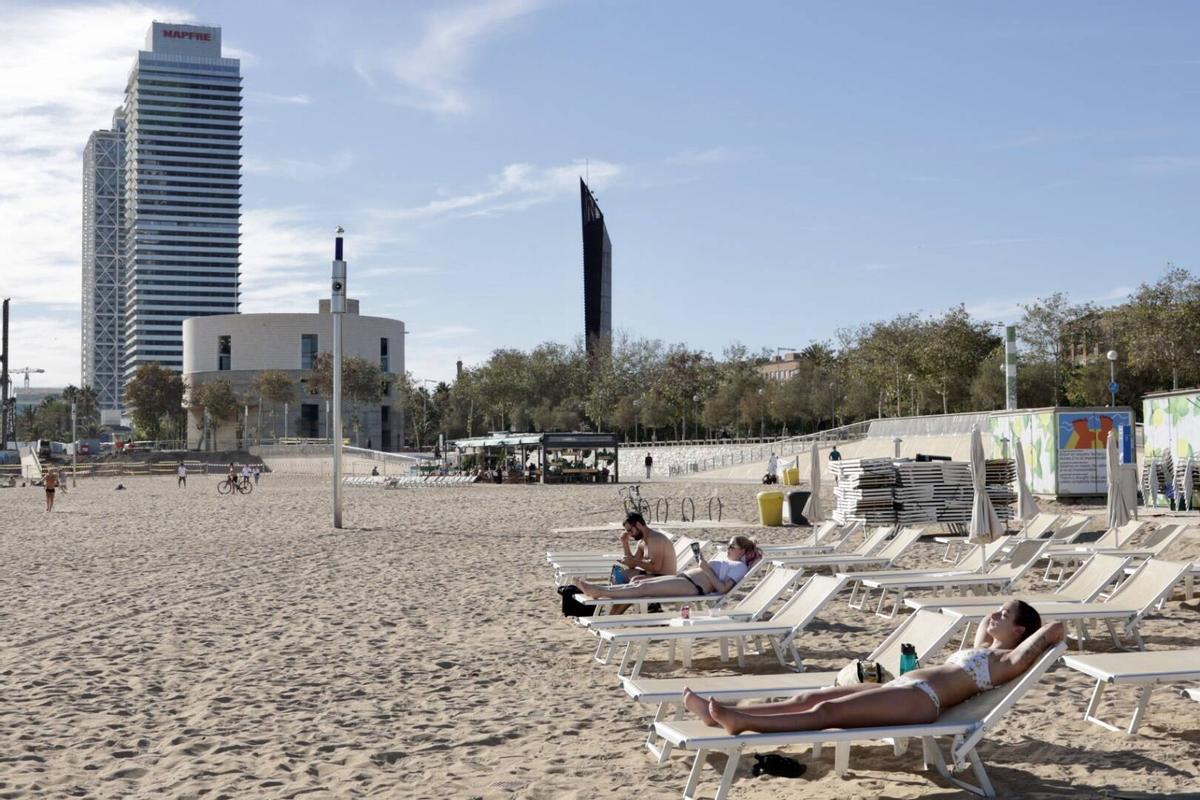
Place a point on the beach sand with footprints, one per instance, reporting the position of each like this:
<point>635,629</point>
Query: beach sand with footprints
<point>158,642</point>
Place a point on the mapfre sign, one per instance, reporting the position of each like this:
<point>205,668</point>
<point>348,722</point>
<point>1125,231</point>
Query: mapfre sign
<point>198,36</point>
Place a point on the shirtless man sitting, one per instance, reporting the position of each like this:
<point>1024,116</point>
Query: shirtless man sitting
<point>654,553</point>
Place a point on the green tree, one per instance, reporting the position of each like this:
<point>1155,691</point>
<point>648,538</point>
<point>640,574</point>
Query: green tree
<point>1161,324</point>
<point>154,396</point>
<point>275,387</point>
<point>1045,329</point>
<point>215,401</point>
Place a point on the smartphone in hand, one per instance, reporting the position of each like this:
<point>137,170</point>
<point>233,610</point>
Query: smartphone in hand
<point>696,549</point>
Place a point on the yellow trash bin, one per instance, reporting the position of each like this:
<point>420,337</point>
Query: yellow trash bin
<point>791,476</point>
<point>770,508</point>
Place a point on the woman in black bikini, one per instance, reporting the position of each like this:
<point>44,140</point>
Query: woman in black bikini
<point>708,577</point>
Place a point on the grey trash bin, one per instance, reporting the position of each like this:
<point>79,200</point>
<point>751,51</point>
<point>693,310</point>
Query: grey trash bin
<point>793,506</point>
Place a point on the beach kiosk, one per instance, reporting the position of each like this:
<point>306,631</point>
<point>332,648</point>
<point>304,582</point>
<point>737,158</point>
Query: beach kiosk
<point>563,457</point>
<point>1064,447</point>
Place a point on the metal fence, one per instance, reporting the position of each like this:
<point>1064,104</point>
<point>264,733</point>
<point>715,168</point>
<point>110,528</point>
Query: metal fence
<point>732,456</point>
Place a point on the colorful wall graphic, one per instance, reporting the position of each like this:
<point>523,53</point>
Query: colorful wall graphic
<point>1064,448</point>
<point>1036,432</point>
<point>1171,424</point>
<point>1082,437</point>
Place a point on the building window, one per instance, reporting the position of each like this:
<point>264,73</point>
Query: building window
<point>308,350</point>
<point>224,353</point>
<point>383,354</point>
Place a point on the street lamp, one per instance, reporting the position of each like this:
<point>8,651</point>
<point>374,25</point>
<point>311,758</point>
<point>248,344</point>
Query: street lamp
<point>637,404</point>
<point>696,402</point>
<point>1112,377</point>
<point>762,422</point>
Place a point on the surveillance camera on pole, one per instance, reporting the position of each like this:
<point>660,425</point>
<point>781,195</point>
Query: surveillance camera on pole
<point>337,306</point>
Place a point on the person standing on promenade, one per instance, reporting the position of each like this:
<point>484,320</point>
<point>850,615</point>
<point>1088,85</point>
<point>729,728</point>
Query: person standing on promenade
<point>181,476</point>
<point>649,465</point>
<point>257,473</point>
<point>834,455</point>
<point>51,482</point>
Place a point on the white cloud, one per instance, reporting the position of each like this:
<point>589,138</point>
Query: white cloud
<point>279,99</point>
<point>285,260</point>
<point>64,71</point>
<point>299,168</point>
<point>45,338</point>
<point>516,187</point>
<point>430,74</point>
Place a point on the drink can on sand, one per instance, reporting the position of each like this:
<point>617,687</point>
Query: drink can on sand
<point>685,613</point>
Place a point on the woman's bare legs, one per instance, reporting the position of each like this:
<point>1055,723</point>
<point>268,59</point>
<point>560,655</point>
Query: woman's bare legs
<point>802,702</point>
<point>879,705</point>
<point>661,586</point>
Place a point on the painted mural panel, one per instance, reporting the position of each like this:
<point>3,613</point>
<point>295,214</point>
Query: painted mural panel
<point>1172,425</point>
<point>1082,437</point>
<point>1037,434</point>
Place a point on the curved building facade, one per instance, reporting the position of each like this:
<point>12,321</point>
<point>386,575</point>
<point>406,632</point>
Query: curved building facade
<point>238,347</point>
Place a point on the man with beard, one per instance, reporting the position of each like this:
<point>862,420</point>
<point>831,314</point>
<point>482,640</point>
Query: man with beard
<point>653,555</point>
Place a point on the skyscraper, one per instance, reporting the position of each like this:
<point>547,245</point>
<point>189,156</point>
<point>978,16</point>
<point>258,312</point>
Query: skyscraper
<point>597,271</point>
<point>183,132</point>
<point>103,310</point>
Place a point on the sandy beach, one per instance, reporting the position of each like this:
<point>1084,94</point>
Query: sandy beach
<point>173,643</point>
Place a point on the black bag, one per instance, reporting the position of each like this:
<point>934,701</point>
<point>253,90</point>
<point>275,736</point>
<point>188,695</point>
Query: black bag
<point>572,607</point>
<point>775,764</point>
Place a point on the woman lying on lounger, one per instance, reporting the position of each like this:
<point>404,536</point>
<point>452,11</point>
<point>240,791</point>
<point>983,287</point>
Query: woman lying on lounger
<point>708,577</point>
<point>1007,643</point>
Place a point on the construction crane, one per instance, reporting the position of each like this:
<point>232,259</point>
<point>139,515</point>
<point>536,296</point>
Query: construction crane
<point>27,371</point>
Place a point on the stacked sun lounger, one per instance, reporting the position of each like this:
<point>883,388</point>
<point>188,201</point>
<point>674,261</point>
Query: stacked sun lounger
<point>407,481</point>
<point>863,492</point>
<point>1000,479</point>
<point>931,492</point>
<point>1157,473</point>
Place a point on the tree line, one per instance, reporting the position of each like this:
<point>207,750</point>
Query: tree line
<point>909,365</point>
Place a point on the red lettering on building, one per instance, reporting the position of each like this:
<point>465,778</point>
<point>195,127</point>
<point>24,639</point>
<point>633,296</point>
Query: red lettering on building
<point>196,35</point>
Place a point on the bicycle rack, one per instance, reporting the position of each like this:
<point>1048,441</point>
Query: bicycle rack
<point>683,506</point>
<point>665,504</point>
<point>712,500</point>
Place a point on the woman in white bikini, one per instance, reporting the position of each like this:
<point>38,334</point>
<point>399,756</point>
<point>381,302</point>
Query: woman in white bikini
<point>1007,643</point>
<point>708,577</point>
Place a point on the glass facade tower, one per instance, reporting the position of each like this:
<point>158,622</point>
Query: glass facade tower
<point>597,272</point>
<point>182,205</point>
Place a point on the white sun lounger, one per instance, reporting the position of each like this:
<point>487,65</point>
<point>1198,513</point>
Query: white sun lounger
<point>927,631</point>
<point>566,570</point>
<point>829,536</point>
<point>1036,528</point>
<point>973,560</point>
<point>780,631</point>
<point>1000,577</point>
<point>1133,600</point>
<point>875,539</point>
<point>1064,556</point>
<point>845,562</point>
<point>1146,669</point>
<point>1086,585</point>
<point>965,724</point>
<point>753,605</point>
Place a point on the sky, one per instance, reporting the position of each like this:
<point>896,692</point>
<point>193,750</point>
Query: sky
<point>769,172</point>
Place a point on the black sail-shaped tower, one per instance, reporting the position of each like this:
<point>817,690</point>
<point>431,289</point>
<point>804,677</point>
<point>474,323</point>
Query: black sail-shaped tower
<point>597,272</point>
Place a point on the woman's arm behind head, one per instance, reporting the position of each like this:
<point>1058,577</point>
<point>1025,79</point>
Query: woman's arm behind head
<point>1022,657</point>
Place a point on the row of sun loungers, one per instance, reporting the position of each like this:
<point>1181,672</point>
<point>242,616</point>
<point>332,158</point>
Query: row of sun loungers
<point>408,481</point>
<point>1117,586</point>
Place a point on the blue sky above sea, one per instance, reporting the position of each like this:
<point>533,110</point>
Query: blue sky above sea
<point>769,172</point>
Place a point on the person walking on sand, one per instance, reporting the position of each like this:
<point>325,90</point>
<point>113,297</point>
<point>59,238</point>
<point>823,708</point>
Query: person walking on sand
<point>257,473</point>
<point>181,476</point>
<point>649,465</point>
<point>52,482</point>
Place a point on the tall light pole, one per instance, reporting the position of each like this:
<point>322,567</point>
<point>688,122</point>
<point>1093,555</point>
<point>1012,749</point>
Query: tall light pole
<point>696,402</point>
<point>337,307</point>
<point>762,414</point>
<point>75,447</point>
<point>1112,377</point>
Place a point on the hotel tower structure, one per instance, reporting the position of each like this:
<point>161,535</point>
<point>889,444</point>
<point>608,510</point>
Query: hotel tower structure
<point>103,333</point>
<point>182,196</point>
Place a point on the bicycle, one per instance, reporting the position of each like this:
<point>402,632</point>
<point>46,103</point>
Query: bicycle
<point>631,500</point>
<point>231,485</point>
